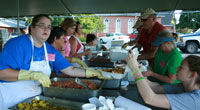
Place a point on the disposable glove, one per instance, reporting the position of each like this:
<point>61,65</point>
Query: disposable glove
<point>124,45</point>
<point>80,62</point>
<point>34,75</point>
<point>93,73</point>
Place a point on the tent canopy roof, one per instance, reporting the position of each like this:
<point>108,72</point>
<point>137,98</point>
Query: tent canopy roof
<point>9,8</point>
<point>10,23</point>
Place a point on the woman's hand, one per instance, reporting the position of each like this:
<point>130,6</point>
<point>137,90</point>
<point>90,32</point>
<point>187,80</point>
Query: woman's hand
<point>147,73</point>
<point>132,61</point>
<point>87,52</point>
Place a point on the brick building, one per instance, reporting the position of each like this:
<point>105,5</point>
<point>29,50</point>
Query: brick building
<point>123,23</point>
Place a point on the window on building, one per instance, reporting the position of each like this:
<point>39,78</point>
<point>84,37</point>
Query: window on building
<point>106,23</point>
<point>130,25</point>
<point>118,25</point>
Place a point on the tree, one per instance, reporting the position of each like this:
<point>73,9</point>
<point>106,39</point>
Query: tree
<point>189,20</point>
<point>56,21</point>
<point>90,24</point>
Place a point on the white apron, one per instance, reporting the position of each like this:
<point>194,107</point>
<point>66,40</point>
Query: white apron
<point>15,92</point>
<point>2,107</point>
<point>79,51</point>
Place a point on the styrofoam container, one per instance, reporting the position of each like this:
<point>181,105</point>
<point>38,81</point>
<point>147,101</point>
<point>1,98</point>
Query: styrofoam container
<point>113,75</point>
<point>118,54</point>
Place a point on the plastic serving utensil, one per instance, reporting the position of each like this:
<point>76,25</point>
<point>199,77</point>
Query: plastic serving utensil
<point>78,81</point>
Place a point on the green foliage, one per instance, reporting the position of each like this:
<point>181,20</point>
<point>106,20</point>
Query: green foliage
<point>28,21</point>
<point>83,39</point>
<point>189,21</point>
<point>90,24</point>
<point>56,21</point>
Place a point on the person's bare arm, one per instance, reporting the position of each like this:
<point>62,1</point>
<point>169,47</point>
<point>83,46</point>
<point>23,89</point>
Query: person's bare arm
<point>148,95</point>
<point>73,44</point>
<point>9,75</point>
<point>74,72</point>
<point>151,97</point>
<point>148,55</point>
<point>78,55</point>
<point>170,78</point>
<point>157,88</point>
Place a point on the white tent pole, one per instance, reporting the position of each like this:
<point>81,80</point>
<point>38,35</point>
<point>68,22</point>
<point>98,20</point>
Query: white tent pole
<point>174,25</point>
<point>18,32</point>
<point>64,6</point>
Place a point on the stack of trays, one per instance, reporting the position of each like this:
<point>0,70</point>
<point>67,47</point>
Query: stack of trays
<point>71,93</point>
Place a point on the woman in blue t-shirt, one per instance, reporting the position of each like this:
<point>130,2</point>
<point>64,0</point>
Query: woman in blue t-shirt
<point>27,61</point>
<point>182,96</point>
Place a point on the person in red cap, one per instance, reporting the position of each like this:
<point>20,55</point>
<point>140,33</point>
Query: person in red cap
<point>151,29</point>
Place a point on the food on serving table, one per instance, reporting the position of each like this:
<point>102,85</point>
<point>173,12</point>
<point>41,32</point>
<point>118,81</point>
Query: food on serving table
<point>74,85</point>
<point>115,70</point>
<point>39,105</point>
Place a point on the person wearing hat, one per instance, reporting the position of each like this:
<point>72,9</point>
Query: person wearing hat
<point>151,29</point>
<point>166,60</point>
<point>138,27</point>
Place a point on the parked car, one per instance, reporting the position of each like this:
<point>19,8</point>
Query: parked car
<point>13,35</point>
<point>133,35</point>
<point>189,42</point>
<point>113,36</point>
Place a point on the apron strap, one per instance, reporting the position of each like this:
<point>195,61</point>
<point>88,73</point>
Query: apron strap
<point>45,50</point>
<point>82,47</point>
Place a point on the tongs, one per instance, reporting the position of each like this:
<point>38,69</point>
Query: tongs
<point>78,81</point>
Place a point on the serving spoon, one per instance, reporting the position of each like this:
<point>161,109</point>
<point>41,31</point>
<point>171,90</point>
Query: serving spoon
<point>78,81</point>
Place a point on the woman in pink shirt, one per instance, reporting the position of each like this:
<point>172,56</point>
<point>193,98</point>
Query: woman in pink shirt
<point>69,26</point>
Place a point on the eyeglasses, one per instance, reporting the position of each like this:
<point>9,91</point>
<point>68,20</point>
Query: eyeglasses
<point>42,26</point>
<point>144,20</point>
